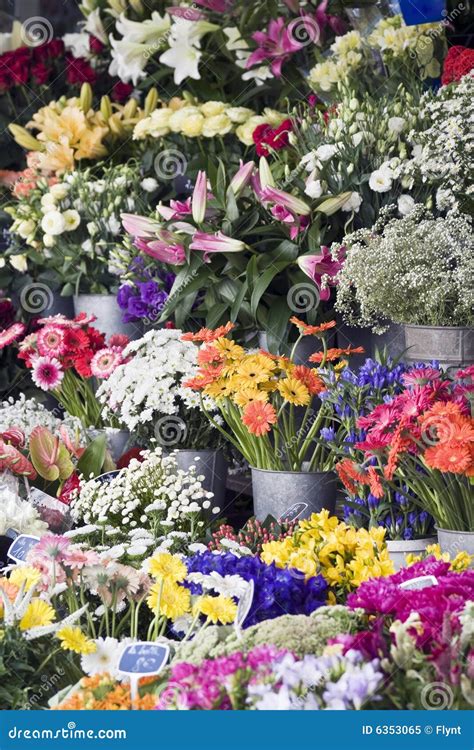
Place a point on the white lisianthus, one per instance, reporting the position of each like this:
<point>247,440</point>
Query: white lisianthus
<point>19,263</point>
<point>357,138</point>
<point>353,203</point>
<point>72,219</point>
<point>58,191</point>
<point>396,124</point>
<point>48,240</point>
<point>381,180</point>
<point>78,44</point>
<point>405,204</point>
<point>326,151</point>
<point>149,184</point>
<point>25,228</point>
<point>53,223</point>
<point>314,188</point>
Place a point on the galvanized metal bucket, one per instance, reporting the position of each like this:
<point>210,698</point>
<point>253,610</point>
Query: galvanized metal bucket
<point>398,550</point>
<point>213,466</point>
<point>453,347</point>
<point>108,314</point>
<point>454,542</point>
<point>274,492</point>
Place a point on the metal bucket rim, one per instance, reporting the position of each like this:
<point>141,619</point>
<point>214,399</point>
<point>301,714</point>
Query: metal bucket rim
<point>305,473</point>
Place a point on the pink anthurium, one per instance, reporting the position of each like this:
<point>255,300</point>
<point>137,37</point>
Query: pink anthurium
<point>12,460</point>
<point>14,436</point>
<point>71,444</point>
<point>49,455</point>
<point>199,201</point>
<point>323,265</point>
<point>140,226</point>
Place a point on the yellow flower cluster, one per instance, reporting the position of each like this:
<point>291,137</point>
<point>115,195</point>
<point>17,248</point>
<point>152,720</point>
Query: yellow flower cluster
<point>462,561</point>
<point>69,130</point>
<point>391,38</point>
<point>345,556</point>
<point>192,119</point>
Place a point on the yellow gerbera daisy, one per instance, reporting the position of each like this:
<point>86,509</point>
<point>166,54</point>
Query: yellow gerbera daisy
<point>169,599</point>
<point>294,391</point>
<point>169,567</point>
<point>38,613</point>
<point>247,395</point>
<point>229,348</point>
<point>25,574</point>
<point>218,389</point>
<point>73,639</point>
<point>217,609</point>
<point>254,369</point>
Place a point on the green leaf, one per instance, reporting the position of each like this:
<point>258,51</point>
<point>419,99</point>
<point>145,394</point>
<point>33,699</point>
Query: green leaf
<point>232,211</point>
<point>92,459</point>
<point>276,324</point>
<point>237,305</point>
<point>216,314</point>
<point>263,283</point>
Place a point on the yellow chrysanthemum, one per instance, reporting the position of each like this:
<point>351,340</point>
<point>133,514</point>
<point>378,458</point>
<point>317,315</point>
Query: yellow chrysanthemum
<point>247,395</point>
<point>73,639</point>
<point>294,391</point>
<point>25,574</point>
<point>217,609</point>
<point>167,566</point>
<point>169,599</point>
<point>38,614</point>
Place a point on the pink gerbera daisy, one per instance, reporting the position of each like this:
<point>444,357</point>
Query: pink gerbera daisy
<point>119,340</point>
<point>420,376</point>
<point>51,341</point>
<point>105,361</point>
<point>11,334</point>
<point>47,373</point>
<point>57,320</point>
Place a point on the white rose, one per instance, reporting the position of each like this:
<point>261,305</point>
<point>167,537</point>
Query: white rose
<point>406,204</point>
<point>325,152</point>
<point>53,223</point>
<point>396,124</point>
<point>72,219</point>
<point>353,203</point>
<point>381,180</point>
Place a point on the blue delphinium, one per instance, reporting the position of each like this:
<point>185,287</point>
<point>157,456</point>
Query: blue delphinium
<point>277,591</point>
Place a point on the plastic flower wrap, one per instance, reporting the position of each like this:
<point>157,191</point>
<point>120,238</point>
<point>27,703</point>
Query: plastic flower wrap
<point>343,555</point>
<point>148,395</point>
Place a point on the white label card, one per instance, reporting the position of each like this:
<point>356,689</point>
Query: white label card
<point>421,582</point>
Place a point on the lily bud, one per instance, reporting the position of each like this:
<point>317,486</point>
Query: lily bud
<point>137,6</point>
<point>130,109</point>
<point>106,107</point>
<point>331,205</point>
<point>242,178</point>
<point>85,99</point>
<point>115,125</point>
<point>265,173</point>
<point>151,101</point>
<point>199,201</point>
<point>25,139</point>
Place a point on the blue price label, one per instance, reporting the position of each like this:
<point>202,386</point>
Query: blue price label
<point>18,551</point>
<point>108,477</point>
<point>143,658</point>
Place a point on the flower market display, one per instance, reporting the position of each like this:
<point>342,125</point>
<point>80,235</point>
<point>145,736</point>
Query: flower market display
<point>237,359</point>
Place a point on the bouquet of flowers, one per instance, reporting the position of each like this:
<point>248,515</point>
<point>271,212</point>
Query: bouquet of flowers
<point>65,355</point>
<point>410,270</point>
<point>72,225</point>
<point>345,556</point>
<point>402,53</point>
<point>148,395</point>
<point>423,439</point>
<point>353,395</point>
<point>257,393</point>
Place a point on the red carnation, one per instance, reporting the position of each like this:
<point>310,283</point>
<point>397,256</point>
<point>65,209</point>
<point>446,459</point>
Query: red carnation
<point>40,73</point>
<point>464,64</point>
<point>458,62</point>
<point>78,70</point>
<point>121,92</point>
<point>268,139</point>
<point>49,50</point>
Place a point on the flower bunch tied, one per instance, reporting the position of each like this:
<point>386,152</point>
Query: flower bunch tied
<point>72,225</point>
<point>423,438</point>
<point>237,233</point>
<point>257,394</point>
<point>147,394</point>
<point>65,356</point>
<point>352,396</point>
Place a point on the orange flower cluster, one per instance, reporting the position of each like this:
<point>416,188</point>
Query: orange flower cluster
<point>350,474</point>
<point>333,354</point>
<point>103,693</point>
<point>454,449</point>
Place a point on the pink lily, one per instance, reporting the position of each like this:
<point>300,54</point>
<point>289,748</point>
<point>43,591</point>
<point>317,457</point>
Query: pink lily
<point>285,200</point>
<point>139,226</point>
<point>242,177</point>
<point>175,210</point>
<point>323,267</point>
<point>163,251</point>
<point>199,201</point>
<point>189,14</point>
<point>277,44</point>
<point>215,243</point>
<point>220,6</point>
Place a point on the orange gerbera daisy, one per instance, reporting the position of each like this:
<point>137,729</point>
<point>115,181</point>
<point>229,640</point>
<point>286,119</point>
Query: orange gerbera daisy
<point>306,375</point>
<point>203,378</point>
<point>333,354</point>
<point>349,473</point>
<point>453,457</point>
<point>206,335</point>
<point>258,417</point>
<point>308,330</point>
<point>375,484</point>
<point>209,355</point>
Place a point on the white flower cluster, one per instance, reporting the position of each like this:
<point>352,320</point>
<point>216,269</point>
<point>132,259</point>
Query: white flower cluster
<point>417,270</point>
<point>152,492</point>
<point>151,384</point>
<point>443,151</point>
<point>19,515</point>
<point>26,414</point>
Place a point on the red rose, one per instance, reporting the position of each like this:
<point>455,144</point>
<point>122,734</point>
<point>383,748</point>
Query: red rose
<point>18,65</point>
<point>49,50</point>
<point>78,70</point>
<point>95,45</point>
<point>121,92</point>
<point>259,136</point>
<point>40,73</point>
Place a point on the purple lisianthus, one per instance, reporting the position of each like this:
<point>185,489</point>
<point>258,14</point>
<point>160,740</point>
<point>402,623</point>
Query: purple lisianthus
<point>277,591</point>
